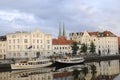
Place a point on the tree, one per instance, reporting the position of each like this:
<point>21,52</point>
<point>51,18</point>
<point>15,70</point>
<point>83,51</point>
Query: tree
<point>93,71</point>
<point>92,47</point>
<point>83,48</point>
<point>76,74</point>
<point>84,71</point>
<point>74,48</point>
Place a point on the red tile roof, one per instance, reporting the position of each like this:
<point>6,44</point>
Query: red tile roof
<point>62,41</point>
<point>93,33</point>
<point>101,34</point>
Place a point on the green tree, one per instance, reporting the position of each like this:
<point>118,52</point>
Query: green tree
<point>92,47</point>
<point>93,71</point>
<point>74,48</point>
<point>84,70</point>
<point>83,48</point>
<point>76,74</point>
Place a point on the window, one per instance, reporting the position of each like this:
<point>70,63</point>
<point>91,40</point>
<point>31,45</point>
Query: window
<point>37,35</point>
<point>13,36</point>
<point>48,41</point>
<point>18,40</point>
<point>0,56</point>
<point>9,54</point>
<point>18,54</point>
<point>9,41</point>
<point>14,47</point>
<point>18,46</point>
<point>25,41</point>
<point>13,41</point>
<point>37,46</point>
<point>9,47</point>
<point>37,41</point>
<point>41,41</point>
<point>48,46</point>
<point>14,54</point>
<point>41,46</point>
<point>26,54</point>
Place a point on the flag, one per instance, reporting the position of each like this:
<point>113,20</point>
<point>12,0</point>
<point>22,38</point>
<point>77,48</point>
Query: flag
<point>29,47</point>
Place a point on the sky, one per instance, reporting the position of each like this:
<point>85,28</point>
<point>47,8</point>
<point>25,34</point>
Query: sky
<point>46,15</point>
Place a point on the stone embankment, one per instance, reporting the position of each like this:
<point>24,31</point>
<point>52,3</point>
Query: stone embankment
<point>87,59</point>
<point>101,58</point>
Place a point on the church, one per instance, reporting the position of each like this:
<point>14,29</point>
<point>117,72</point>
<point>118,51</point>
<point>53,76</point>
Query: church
<point>62,45</point>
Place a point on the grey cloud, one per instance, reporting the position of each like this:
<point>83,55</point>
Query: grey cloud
<point>78,15</point>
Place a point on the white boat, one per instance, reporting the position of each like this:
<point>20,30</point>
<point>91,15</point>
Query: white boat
<point>35,63</point>
<point>69,61</point>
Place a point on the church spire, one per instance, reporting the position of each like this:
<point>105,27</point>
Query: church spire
<point>64,32</point>
<point>60,30</point>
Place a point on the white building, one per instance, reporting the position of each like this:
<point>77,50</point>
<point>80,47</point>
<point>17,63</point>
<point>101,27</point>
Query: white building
<point>106,42</point>
<point>62,45</point>
<point>28,44</point>
<point>3,47</point>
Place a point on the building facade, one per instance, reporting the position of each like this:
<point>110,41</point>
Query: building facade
<point>61,45</point>
<point>106,42</point>
<point>119,44</point>
<point>28,44</point>
<point>3,47</point>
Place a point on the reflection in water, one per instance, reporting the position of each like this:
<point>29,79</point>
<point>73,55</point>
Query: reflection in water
<point>31,74</point>
<point>103,69</point>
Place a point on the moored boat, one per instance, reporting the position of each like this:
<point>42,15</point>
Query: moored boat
<point>69,61</point>
<point>35,63</point>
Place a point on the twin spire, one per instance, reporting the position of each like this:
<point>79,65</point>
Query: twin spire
<point>62,32</point>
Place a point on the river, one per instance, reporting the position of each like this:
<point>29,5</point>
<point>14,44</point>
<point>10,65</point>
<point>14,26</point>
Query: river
<point>103,70</point>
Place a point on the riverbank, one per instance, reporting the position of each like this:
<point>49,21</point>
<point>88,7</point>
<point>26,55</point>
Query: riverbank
<point>100,58</point>
<point>87,59</point>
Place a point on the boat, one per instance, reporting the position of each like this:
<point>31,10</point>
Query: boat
<point>69,61</point>
<point>69,68</point>
<point>34,63</point>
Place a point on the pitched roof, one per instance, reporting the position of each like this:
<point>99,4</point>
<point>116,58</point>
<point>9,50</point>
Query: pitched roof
<point>62,41</point>
<point>98,34</point>
<point>102,34</point>
<point>93,33</point>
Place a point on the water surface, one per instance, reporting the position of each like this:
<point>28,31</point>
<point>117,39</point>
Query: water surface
<point>103,70</point>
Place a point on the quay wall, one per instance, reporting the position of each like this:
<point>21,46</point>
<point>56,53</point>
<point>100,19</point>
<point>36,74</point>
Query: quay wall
<point>100,58</point>
<point>87,59</point>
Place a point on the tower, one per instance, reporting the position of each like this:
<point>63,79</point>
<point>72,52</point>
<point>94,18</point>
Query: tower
<point>62,32</point>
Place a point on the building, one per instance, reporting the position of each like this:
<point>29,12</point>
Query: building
<point>3,47</point>
<point>61,45</point>
<point>28,44</point>
<point>119,44</point>
<point>106,42</point>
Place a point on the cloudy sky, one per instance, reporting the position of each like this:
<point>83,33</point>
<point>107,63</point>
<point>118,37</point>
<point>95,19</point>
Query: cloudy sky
<point>77,15</point>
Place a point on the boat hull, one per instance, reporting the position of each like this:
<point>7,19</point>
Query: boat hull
<point>15,66</point>
<point>58,63</point>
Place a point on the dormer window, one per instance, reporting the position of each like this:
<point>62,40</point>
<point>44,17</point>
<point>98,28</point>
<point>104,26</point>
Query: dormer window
<point>107,34</point>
